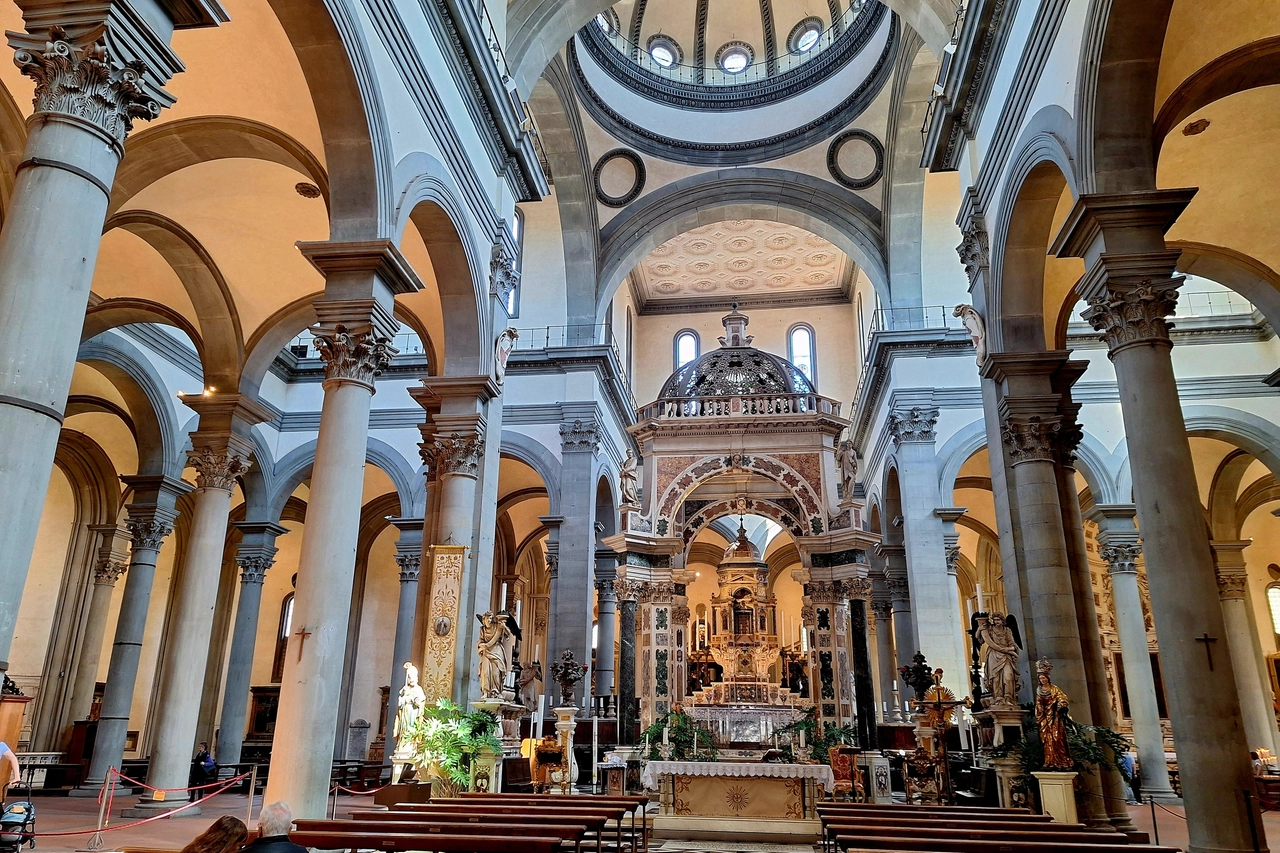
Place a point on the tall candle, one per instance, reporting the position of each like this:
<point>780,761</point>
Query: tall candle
<point>502,598</point>
<point>802,738</point>
<point>518,603</point>
<point>804,639</point>
<point>666,735</point>
<point>542,698</point>
<point>537,650</point>
<point>595,750</point>
<point>981,607</point>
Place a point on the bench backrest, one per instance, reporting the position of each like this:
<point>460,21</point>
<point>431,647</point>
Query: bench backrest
<point>422,841</point>
<point>569,831</point>
<point>591,822</point>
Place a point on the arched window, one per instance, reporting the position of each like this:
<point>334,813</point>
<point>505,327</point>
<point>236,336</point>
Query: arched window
<point>517,234</point>
<point>687,347</point>
<point>1273,606</point>
<point>800,350</point>
<point>282,638</point>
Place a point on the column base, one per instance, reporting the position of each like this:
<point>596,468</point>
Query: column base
<point>1166,798</point>
<point>86,792</point>
<point>151,808</point>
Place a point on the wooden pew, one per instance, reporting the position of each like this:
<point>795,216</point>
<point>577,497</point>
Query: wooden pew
<point>570,834</point>
<point>950,812</point>
<point>638,802</point>
<point>614,813</point>
<point>595,824</point>
<point>434,843</point>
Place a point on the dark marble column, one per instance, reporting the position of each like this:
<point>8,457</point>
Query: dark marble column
<point>626,662</point>
<point>864,697</point>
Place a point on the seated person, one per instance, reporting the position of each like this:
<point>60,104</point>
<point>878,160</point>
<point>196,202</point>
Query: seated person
<point>274,822</point>
<point>225,836</point>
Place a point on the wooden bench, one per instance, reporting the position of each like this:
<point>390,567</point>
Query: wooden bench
<point>570,835</point>
<point>434,843</point>
<point>638,803</point>
<point>595,825</point>
<point>951,812</point>
<point>833,825</point>
<point>613,813</point>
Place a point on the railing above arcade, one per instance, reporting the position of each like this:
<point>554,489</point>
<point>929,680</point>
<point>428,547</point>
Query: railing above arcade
<point>579,335</point>
<point>739,406</point>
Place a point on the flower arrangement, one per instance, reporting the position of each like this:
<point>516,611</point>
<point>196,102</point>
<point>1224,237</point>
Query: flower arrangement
<point>819,738</point>
<point>682,735</point>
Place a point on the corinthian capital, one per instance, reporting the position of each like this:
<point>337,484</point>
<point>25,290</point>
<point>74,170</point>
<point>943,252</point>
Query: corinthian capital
<point>107,571</point>
<point>1121,559</point>
<point>253,569</point>
<point>216,469</point>
<point>975,249</point>
<point>1134,315</point>
<point>580,436</point>
<point>353,356</point>
<point>1031,439</point>
<point>503,275</point>
<point>454,455</point>
<point>410,567</point>
<point>87,77</point>
<point>148,533</point>
<point>1231,585</point>
<point>913,425</point>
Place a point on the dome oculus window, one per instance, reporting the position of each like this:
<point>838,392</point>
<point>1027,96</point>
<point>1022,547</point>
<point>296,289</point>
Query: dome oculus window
<point>805,35</point>
<point>664,51</point>
<point>735,57</point>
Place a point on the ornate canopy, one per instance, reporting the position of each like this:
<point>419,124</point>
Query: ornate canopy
<point>736,369</point>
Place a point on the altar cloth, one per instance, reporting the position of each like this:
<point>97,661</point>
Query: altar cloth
<point>818,772</point>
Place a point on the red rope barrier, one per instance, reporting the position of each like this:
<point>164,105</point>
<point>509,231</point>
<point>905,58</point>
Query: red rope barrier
<point>357,793</point>
<point>66,832</point>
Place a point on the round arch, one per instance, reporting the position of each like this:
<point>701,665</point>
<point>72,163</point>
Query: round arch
<point>833,213</point>
<point>532,453</point>
<point>295,467</point>
<point>708,515</point>
<point>766,466</point>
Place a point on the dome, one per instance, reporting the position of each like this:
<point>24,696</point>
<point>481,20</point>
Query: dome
<point>736,369</point>
<point>741,549</point>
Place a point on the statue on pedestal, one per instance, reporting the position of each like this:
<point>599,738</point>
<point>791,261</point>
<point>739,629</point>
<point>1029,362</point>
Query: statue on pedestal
<point>847,468</point>
<point>567,673</point>
<point>1051,718</point>
<point>628,480</point>
<point>998,653</point>
<point>495,648</point>
<point>409,704</point>
<point>527,685</point>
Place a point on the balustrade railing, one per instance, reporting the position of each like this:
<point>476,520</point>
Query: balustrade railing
<point>739,406</point>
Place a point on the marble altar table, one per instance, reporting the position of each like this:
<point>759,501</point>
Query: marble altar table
<point>730,789</point>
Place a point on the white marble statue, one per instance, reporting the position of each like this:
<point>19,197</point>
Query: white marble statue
<point>409,705</point>
<point>495,648</point>
<point>502,351</point>
<point>628,481</point>
<point>847,461</point>
<point>999,657</point>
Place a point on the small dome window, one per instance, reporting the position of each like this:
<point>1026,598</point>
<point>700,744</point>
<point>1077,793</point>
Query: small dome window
<point>664,51</point>
<point>805,35</point>
<point>602,21</point>
<point>734,57</point>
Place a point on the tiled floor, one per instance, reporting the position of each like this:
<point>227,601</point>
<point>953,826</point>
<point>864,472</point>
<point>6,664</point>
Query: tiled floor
<point>55,814</point>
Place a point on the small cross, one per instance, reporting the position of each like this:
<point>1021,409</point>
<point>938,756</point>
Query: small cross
<point>1208,649</point>
<point>303,633</point>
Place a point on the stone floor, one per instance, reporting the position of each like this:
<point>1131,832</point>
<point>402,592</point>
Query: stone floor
<point>56,814</point>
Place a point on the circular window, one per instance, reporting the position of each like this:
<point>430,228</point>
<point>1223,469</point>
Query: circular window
<point>734,57</point>
<point>805,35</point>
<point>664,51</point>
<point>855,159</point>
<point>602,21</point>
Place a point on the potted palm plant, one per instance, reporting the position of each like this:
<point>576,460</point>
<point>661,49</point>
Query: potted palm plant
<point>446,738</point>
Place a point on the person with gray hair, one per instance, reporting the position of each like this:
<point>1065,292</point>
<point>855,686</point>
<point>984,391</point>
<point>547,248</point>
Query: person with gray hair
<point>274,822</point>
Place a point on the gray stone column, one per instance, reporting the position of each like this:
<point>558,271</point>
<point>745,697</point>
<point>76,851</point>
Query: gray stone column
<point>97,68</point>
<point>255,554</point>
<point>354,338</point>
<point>409,559</point>
<point>221,454</point>
<point>904,632</point>
<point>571,593</point>
<point>1118,539</point>
<point>150,520</point>
<point>108,567</point>
<point>1233,589</point>
<point>886,666</point>
<point>934,603</point>
<point>627,605</point>
<point>606,614</point>
<point>1130,291</point>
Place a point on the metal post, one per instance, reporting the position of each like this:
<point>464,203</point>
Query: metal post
<point>95,841</point>
<point>1253,828</point>
<point>253,785</point>
<point>1155,827</point>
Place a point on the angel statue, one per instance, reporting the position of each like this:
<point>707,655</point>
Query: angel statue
<point>1051,719</point>
<point>495,648</point>
<point>409,705</point>
<point>999,647</point>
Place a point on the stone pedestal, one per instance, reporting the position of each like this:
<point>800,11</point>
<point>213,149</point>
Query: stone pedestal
<point>615,777</point>
<point>1057,794</point>
<point>1007,769</point>
<point>566,722</point>
<point>486,772</point>
<point>879,788</point>
<point>1007,723</point>
<point>508,714</point>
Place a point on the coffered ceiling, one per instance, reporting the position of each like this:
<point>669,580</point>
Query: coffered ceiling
<point>758,263</point>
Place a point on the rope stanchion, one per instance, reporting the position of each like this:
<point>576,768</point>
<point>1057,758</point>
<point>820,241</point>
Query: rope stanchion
<point>356,793</point>
<point>1170,811</point>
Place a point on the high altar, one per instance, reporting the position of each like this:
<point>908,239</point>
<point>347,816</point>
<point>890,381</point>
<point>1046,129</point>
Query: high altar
<point>745,706</point>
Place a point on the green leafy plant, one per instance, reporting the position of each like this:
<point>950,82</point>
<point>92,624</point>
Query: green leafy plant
<point>682,736</point>
<point>819,738</point>
<point>1091,747</point>
<point>445,737</point>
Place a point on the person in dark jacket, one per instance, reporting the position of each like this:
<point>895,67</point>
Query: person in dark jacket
<point>203,771</point>
<point>274,823</point>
